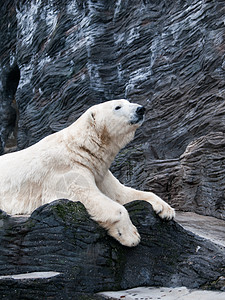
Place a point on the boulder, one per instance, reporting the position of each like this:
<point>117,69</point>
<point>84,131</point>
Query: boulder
<point>60,253</point>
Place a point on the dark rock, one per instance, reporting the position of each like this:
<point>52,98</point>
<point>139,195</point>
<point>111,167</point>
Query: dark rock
<point>9,75</point>
<point>59,58</point>
<point>194,182</point>
<point>60,237</point>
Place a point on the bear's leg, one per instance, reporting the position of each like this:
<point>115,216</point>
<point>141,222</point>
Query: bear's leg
<point>79,185</point>
<point>112,216</point>
<point>111,187</point>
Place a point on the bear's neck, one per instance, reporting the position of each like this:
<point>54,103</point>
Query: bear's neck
<point>96,150</point>
<point>97,155</point>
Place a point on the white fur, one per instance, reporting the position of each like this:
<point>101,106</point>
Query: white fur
<point>74,164</point>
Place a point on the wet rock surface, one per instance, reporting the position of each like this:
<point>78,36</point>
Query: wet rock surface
<point>60,237</point>
<point>59,58</point>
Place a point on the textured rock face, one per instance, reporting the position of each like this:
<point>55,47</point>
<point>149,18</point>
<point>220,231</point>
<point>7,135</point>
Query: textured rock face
<point>193,182</point>
<point>58,58</point>
<point>61,238</point>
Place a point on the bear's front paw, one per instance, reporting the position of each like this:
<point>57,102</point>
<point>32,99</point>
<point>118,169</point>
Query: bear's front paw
<point>164,210</point>
<point>126,235</point>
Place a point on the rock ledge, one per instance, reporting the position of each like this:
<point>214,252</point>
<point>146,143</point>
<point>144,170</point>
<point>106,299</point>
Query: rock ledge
<point>60,237</point>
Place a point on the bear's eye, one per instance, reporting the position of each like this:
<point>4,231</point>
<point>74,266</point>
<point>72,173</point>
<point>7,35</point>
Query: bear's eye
<point>118,107</point>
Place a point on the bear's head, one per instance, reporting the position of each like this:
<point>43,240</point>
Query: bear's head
<point>117,119</point>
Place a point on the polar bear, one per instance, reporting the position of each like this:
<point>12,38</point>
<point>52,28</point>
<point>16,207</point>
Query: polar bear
<point>74,164</point>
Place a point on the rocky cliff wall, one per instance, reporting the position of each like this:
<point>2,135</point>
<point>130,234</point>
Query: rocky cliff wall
<point>57,58</point>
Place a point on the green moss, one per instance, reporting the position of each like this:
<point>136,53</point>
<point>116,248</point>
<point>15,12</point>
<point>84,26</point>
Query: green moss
<point>70,211</point>
<point>30,224</point>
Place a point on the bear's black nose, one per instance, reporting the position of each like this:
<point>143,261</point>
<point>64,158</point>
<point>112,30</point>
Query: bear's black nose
<point>140,111</point>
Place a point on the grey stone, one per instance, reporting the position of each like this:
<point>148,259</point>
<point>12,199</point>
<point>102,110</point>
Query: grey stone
<point>180,293</point>
<point>60,237</point>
